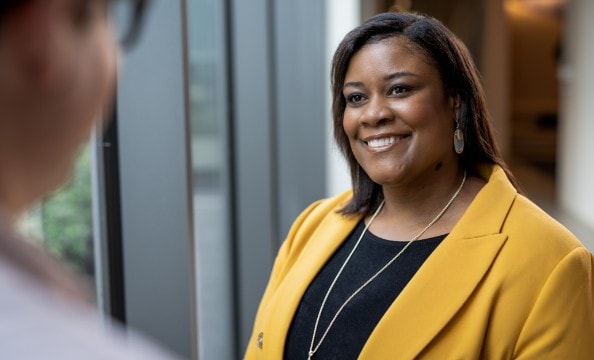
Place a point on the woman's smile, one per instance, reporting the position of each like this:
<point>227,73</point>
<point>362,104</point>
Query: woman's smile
<point>383,143</point>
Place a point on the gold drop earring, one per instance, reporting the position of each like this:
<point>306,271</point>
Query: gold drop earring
<point>458,139</point>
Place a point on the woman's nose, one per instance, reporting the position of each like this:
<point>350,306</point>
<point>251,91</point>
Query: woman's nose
<point>376,113</point>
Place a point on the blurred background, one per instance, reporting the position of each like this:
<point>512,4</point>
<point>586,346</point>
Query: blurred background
<point>221,136</point>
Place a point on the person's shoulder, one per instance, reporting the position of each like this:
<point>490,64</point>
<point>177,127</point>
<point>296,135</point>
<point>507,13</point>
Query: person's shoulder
<point>321,213</point>
<point>322,209</point>
<point>537,241</point>
<point>537,225</point>
<point>525,223</point>
<point>536,246</point>
<point>38,321</point>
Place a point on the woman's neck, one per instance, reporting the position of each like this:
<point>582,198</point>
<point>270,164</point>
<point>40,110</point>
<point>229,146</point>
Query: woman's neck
<point>408,209</point>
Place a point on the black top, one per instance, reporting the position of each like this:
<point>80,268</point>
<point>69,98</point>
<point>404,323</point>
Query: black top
<point>357,320</point>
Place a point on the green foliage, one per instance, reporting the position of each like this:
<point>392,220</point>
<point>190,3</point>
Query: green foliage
<point>67,219</point>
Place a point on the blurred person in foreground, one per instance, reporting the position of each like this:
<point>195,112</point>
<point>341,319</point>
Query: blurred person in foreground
<point>433,254</point>
<point>57,73</point>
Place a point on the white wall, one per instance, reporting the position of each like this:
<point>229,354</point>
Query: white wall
<point>342,16</point>
<point>576,150</point>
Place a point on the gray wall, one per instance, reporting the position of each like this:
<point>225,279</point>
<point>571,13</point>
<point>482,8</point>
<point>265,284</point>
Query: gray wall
<point>276,139</point>
<point>279,90</point>
<point>156,225</point>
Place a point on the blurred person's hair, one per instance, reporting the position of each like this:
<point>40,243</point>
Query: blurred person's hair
<point>6,5</point>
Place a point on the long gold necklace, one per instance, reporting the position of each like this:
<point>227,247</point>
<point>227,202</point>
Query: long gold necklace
<point>313,349</point>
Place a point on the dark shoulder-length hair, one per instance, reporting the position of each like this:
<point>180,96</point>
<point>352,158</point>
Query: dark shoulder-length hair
<point>459,76</point>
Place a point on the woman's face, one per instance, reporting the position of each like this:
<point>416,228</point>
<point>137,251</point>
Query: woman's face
<point>398,118</point>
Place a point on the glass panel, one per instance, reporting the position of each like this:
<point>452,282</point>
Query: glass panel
<point>210,167</point>
<point>63,222</point>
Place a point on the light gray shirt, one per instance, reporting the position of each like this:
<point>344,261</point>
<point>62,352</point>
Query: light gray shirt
<point>40,321</point>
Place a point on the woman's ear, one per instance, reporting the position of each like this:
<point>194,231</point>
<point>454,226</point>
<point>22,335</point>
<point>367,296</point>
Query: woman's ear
<point>454,100</point>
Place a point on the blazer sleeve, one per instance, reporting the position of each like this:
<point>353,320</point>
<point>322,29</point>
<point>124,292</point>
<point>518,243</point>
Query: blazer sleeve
<point>288,251</point>
<point>561,323</point>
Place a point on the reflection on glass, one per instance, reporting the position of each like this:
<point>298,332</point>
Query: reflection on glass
<point>210,149</point>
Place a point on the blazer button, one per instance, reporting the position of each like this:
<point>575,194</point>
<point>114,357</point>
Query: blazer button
<point>260,341</point>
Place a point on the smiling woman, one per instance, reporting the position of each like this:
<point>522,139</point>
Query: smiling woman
<point>433,218</point>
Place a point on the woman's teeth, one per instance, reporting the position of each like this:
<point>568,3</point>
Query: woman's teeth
<point>378,143</point>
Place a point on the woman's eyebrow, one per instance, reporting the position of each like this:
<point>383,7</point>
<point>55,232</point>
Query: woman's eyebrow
<point>353,84</point>
<point>388,77</point>
<point>399,74</point>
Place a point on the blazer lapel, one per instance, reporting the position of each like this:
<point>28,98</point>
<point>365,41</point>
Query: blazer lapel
<point>448,277</point>
<point>320,247</point>
<point>433,297</point>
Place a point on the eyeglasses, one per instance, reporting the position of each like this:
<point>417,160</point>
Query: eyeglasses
<point>128,17</point>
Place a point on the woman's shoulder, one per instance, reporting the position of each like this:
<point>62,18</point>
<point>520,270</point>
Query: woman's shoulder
<point>503,209</point>
<point>537,244</point>
<point>537,227</point>
<point>323,213</point>
<point>322,209</point>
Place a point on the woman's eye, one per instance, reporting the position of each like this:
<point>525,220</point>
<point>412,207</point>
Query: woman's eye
<point>398,90</point>
<point>354,98</point>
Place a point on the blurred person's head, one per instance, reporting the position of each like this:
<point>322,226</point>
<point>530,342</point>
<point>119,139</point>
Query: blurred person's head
<point>432,43</point>
<point>57,69</point>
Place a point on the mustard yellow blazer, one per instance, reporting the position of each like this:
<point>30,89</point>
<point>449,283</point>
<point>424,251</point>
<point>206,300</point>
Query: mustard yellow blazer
<point>508,282</point>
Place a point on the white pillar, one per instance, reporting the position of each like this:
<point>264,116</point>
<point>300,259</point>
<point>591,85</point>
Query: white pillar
<point>576,136</point>
<point>341,17</point>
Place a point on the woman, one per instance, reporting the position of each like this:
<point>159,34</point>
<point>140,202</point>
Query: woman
<point>433,254</point>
